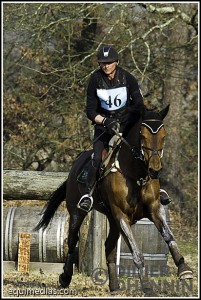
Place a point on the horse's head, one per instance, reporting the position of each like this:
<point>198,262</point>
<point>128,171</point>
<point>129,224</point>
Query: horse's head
<point>152,133</point>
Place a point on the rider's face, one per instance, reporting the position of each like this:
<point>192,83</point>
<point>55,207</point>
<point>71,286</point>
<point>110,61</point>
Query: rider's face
<point>108,67</point>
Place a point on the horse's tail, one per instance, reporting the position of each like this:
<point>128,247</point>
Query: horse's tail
<point>49,210</point>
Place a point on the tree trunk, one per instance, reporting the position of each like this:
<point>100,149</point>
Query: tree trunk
<point>173,94</point>
<point>31,185</point>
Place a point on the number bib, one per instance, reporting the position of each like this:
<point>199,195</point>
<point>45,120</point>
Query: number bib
<point>112,99</point>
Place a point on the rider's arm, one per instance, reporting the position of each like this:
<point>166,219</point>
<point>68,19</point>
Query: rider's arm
<point>93,102</point>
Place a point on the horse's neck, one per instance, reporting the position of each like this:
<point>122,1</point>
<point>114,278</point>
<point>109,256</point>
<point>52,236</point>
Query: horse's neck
<point>133,137</point>
<point>127,160</point>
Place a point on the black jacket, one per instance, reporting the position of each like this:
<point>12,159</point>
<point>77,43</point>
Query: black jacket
<point>123,81</point>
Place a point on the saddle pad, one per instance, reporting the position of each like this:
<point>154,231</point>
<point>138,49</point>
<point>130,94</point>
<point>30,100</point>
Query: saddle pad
<point>115,141</point>
<point>106,155</point>
<point>82,177</point>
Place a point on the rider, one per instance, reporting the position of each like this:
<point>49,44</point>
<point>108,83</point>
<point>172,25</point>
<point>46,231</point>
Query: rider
<point>111,92</point>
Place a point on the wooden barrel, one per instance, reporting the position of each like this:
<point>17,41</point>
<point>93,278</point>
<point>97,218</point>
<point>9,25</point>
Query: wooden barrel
<point>46,246</point>
<point>153,247</point>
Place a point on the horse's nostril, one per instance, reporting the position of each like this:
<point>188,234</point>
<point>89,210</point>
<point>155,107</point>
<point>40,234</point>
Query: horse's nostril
<point>153,174</point>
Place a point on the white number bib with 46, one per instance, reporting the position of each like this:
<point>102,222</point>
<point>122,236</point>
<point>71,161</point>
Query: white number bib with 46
<point>112,99</point>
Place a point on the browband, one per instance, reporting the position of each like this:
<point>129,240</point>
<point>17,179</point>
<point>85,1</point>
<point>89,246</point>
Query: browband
<point>153,125</point>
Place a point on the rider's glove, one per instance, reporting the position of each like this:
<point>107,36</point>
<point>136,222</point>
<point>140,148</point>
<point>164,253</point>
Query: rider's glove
<point>111,124</point>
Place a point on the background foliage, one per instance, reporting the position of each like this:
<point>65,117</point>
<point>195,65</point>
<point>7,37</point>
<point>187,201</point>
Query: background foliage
<point>49,54</point>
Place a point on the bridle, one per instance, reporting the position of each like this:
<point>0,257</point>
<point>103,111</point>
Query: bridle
<point>154,127</point>
<point>139,153</point>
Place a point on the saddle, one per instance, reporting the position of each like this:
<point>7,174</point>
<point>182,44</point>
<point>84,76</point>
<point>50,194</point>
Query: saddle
<point>106,156</point>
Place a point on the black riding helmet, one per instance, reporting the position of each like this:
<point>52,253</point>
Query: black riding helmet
<point>107,54</point>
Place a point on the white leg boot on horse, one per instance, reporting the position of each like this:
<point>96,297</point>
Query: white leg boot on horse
<point>86,200</point>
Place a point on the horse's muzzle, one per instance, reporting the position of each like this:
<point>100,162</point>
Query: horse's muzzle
<point>153,174</point>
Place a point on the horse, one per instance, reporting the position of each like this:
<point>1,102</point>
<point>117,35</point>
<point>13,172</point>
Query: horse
<point>125,196</point>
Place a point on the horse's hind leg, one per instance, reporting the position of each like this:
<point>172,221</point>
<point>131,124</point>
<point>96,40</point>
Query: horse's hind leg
<point>75,222</point>
<point>159,219</point>
<point>110,251</point>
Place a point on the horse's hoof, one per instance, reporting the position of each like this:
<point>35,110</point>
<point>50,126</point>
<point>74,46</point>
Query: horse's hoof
<point>184,272</point>
<point>64,280</point>
<point>114,289</point>
<point>186,275</point>
<point>115,292</point>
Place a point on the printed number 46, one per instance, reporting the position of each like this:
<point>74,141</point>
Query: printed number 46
<point>117,102</point>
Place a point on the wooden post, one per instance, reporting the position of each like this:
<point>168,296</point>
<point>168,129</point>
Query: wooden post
<point>85,241</point>
<point>24,252</point>
<point>105,232</point>
<point>97,240</point>
<point>92,243</point>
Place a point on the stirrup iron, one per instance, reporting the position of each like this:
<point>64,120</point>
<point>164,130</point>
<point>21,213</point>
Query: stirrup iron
<point>80,201</point>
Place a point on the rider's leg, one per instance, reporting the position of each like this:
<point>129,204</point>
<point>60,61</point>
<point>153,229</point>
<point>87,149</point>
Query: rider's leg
<point>86,200</point>
<point>164,197</point>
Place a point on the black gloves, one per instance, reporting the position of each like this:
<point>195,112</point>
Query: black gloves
<point>111,124</point>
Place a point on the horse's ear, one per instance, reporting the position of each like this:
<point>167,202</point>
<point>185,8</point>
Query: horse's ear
<point>164,111</point>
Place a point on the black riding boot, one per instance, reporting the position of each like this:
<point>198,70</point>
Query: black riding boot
<point>164,197</point>
<point>86,200</point>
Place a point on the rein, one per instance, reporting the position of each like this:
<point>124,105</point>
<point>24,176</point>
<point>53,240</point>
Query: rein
<point>137,153</point>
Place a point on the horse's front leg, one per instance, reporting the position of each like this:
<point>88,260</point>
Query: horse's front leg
<point>127,233</point>
<point>159,219</point>
<point>150,194</point>
<point>124,226</point>
<point>110,252</point>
